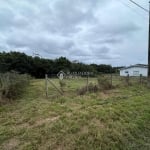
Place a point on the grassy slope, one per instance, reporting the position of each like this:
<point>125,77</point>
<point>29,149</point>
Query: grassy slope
<point>116,119</point>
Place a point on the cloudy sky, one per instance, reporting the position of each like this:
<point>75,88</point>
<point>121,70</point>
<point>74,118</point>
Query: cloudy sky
<point>91,31</point>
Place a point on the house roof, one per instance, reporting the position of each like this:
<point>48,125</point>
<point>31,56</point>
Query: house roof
<point>136,65</point>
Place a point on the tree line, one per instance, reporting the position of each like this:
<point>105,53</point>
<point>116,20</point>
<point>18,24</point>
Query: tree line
<point>38,67</point>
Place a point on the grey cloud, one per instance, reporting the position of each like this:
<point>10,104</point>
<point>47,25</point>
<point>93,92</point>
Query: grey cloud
<point>78,29</point>
<point>101,35</point>
<point>6,18</point>
<point>109,40</point>
<point>112,30</point>
<point>50,44</point>
<point>124,29</point>
<point>100,50</point>
<point>93,52</point>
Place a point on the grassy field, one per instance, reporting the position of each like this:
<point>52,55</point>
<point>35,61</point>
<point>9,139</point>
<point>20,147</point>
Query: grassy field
<point>118,119</point>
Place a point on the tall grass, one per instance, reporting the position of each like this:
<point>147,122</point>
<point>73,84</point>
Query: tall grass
<point>92,88</point>
<point>104,83</point>
<point>12,85</point>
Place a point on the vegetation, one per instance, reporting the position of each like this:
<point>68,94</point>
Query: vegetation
<point>104,83</point>
<point>38,67</point>
<point>113,119</point>
<point>91,88</point>
<point>62,83</point>
<point>12,85</point>
<point>93,117</point>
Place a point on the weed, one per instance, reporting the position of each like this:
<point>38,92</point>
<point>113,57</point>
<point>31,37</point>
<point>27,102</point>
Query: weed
<point>104,83</point>
<point>92,88</point>
<point>62,83</point>
<point>88,122</point>
<point>82,90</point>
<point>12,85</point>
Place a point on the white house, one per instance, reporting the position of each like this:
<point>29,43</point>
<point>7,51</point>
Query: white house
<point>134,70</point>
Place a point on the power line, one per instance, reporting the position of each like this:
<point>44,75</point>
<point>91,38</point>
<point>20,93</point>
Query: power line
<point>132,9</point>
<point>148,37</point>
<point>128,6</point>
<point>139,6</point>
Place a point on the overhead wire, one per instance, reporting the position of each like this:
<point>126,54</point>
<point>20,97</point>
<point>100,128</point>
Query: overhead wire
<point>132,9</point>
<point>139,6</point>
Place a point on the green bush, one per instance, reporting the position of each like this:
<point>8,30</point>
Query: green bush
<point>82,90</point>
<point>62,83</point>
<point>92,88</point>
<point>12,85</point>
<point>104,83</point>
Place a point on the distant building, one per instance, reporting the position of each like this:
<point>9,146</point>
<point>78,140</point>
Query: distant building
<point>134,70</point>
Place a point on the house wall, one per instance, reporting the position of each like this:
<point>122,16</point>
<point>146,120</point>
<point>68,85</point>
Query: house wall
<point>134,71</point>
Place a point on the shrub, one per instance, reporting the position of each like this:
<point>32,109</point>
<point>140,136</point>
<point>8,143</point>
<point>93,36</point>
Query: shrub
<point>92,88</point>
<point>104,83</point>
<point>82,90</point>
<point>12,85</point>
<point>62,83</point>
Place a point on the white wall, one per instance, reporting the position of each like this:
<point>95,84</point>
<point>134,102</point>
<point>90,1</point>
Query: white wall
<point>134,71</point>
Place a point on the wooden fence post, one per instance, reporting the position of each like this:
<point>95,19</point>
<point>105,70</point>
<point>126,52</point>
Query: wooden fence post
<point>140,78</point>
<point>46,85</point>
<point>128,79</point>
<point>87,84</point>
<point>111,80</point>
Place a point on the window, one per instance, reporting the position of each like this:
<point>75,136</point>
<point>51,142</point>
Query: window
<point>136,73</point>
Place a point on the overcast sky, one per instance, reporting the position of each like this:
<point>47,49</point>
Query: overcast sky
<point>90,31</point>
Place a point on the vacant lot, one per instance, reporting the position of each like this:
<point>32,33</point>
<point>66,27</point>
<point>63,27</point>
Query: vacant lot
<point>114,119</point>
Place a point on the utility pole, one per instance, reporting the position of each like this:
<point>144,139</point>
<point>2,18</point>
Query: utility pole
<point>149,44</point>
<point>148,73</point>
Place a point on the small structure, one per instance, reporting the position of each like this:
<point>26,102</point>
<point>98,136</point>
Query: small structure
<point>134,70</point>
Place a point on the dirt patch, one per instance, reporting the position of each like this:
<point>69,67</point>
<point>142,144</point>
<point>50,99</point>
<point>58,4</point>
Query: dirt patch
<point>43,121</point>
<point>104,96</point>
<point>68,114</point>
<point>38,122</point>
<point>75,107</point>
<point>110,93</point>
<point>11,144</point>
<point>84,130</point>
<point>97,123</point>
<point>24,125</point>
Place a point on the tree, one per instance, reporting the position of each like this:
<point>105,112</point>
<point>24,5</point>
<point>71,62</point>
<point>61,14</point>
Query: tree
<point>38,67</point>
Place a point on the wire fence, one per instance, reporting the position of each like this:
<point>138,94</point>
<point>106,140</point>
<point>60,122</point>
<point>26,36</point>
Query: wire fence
<point>116,79</point>
<point>56,86</point>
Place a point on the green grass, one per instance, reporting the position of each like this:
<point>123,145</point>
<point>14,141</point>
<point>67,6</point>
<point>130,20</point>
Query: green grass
<point>114,119</point>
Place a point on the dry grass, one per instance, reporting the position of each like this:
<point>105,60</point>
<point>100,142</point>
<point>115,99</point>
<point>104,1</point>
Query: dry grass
<point>114,119</point>
<point>12,85</point>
